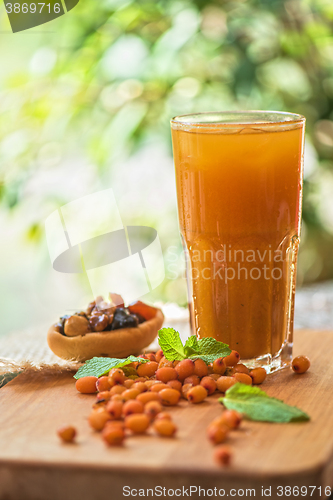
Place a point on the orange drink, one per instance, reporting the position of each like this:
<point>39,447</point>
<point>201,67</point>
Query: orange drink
<point>239,190</point>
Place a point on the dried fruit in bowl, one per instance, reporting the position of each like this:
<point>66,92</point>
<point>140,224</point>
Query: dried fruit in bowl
<point>105,328</point>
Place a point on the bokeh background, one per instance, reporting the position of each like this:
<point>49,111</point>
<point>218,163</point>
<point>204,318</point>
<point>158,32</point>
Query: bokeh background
<point>85,104</point>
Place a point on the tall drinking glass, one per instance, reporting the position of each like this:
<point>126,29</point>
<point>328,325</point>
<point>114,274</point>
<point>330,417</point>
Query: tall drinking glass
<point>239,189</point>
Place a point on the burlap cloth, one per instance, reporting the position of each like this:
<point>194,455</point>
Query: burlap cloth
<point>28,349</point>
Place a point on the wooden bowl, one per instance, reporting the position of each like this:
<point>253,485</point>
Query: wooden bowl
<point>114,344</point>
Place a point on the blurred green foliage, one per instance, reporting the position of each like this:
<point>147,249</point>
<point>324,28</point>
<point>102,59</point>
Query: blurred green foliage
<point>122,68</point>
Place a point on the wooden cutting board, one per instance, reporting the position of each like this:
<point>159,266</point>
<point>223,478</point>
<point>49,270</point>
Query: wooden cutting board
<point>34,465</point>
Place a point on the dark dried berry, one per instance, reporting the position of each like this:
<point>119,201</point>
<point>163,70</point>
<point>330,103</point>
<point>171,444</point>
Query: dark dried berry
<point>122,319</point>
<point>141,319</point>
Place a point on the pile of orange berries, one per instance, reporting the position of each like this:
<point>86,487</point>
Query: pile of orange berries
<point>133,404</point>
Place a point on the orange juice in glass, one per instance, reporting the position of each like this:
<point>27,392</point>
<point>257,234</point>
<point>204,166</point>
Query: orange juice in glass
<point>239,190</point>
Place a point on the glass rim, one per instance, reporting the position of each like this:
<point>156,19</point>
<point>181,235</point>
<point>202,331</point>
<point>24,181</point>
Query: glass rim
<point>218,119</point>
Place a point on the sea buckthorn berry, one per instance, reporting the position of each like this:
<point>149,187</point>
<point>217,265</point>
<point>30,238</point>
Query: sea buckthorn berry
<point>140,386</point>
<point>232,359</point>
<point>214,376</point>
<point>151,356</point>
<point>240,368</point>
<point>209,384</point>
<point>112,383</point>
<point>86,385</point>
<point>175,363</point>
<point>219,366</point>
<point>223,455</point>
<point>243,378</point>
<point>150,382</point>
<point>300,364</point>
<point>197,394</point>
<point>141,379</point>
<point>115,409</point>
<point>258,375</point>
<point>210,368</point>
<point>117,375</point>
<point>67,433</point>
<point>117,389</point>
<point>162,415</point>
<point>152,409</point>
<point>224,383</point>
<point>102,384</point>
<point>145,397</point>
<point>137,423</point>
<point>165,427</point>
<point>132,406</point>
<point>185,368</point>
<point>192,379</point>
<point>158,387</point>
<point>104,396</point>
<point>118,397</point>
<point>128,383</point>
<point>200,368</point>
<point>175,384</point>
<point>230,371</point>
<point>147,369</point>
<point>230,418</point>
<point>165,374</point>
<point>115,423</point>
<point>164,362</point>
<point>98,418</point>
<point>217,434</point>
<point>159,355</point>
<point>185,389</point>
<point>113,435</point>
<point>169,397</point>
<point>130,394</point>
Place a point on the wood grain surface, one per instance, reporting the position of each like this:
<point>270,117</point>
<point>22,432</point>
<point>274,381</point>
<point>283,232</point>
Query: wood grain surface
<point>34,465</point>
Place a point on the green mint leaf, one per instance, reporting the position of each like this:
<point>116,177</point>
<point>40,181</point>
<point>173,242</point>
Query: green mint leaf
<point>208,345</point>
<point>257,405</point>
<point>209,349</point>
<point>191,346</point>
<point>208,359</point>
<point>97,367</point>
<point>171,344</point>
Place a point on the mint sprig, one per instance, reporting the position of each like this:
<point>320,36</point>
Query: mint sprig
<point>97,367</point>
<point>257,405</point>
<point>171,344</point>
<point>207,349</point>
